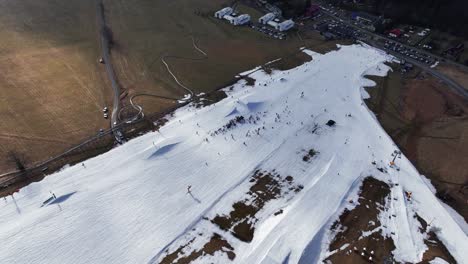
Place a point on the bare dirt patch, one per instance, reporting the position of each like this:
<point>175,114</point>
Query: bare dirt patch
<point>358,232</point>
<point>266,187</point>
<point>349,245</point>
<point>436,249</point>
<point>216,244</point>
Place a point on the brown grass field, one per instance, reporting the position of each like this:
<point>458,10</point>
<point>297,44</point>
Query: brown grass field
<point>145,31</point>
<point>53,89</point>
<point>429,123</point>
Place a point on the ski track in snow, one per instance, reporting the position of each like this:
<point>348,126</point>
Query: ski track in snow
<point>130,205</point>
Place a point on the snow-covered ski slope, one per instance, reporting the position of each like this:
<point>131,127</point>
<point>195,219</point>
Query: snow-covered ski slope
<point>131,205</point>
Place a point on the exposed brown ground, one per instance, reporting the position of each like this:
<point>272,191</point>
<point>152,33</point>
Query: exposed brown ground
<point>438,142</point>
<point>52,89</point>
<point>216,244</point>
<point>349,246</point>
<point>429,122</point>
<point>352,223</point>
<point>241,220</point>
<point>456,73</point>
<point>435,247</point>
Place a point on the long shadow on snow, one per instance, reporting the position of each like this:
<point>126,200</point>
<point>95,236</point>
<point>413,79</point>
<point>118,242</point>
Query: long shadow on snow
<point>62,198</point>
<point>163,150</point>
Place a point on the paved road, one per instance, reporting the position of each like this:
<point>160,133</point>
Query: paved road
<point>447,80</point>
<point>105,50</point>
<point>450,82</point>
<point>382,37</point>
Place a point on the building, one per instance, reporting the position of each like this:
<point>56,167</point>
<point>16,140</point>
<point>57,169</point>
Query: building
<point>242,20</point>
<point>237,20</point>
<point>395,33</point>
<point>369,21</point>
<point>266,18</point>
<point>224,12</point>
<point>273,24</point>
<point>364,17</point>
<point>285,25</point>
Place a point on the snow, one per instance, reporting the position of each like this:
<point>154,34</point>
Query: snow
<point>131,204</point>
<point>438,261</point>
<point>457,217</point>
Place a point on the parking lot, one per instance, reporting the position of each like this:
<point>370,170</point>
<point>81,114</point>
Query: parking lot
<point>411,53</point>
<point>269,31</point>
<point>333,29</point>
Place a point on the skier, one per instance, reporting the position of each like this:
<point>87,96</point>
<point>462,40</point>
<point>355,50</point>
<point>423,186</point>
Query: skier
<point>189,189</point>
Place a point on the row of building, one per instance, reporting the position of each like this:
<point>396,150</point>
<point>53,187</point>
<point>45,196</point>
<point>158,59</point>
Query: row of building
<point>233,18</point>
<point>272,19</point>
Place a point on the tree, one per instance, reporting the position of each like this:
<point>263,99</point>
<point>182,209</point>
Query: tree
<point>18,160</point>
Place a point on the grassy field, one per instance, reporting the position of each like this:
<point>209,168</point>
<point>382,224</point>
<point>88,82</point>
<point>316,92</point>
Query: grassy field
<point>52,89</point>
<point>145,31</point>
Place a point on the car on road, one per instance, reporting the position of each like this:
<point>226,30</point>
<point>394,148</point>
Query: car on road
<point>106,115</point>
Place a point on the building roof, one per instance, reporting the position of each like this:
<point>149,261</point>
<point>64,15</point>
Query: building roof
<point>365,16</point>
<point>395,31</point>
<point>267,17</point>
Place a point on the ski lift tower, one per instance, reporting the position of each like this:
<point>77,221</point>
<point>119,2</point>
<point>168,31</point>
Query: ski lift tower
<point>396,154</point>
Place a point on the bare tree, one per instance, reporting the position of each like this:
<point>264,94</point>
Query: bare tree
<point>17,159</point>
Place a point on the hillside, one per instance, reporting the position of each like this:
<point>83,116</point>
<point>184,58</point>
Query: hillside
<point>267,175</point>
